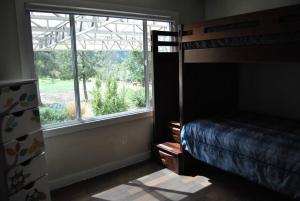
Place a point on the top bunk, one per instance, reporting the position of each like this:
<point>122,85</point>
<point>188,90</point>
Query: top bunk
<point>264,36</point>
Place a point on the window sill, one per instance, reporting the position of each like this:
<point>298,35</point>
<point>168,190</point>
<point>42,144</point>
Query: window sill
<point>106,120</point>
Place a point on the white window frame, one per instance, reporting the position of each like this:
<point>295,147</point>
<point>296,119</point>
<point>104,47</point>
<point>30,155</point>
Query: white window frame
<point>79,124</point>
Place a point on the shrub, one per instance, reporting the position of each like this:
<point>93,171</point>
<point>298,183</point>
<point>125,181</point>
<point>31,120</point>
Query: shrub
<point>53,114</point>
<point>112,101</point>
<point>96,96</point>
<point>71,109</point>
<point>138,98</point>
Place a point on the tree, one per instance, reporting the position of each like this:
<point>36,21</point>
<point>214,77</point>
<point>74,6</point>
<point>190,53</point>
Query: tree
<point>54,64</point>
<point>135,65</point>
<point>64,59</point>
<point>46,64</point>
<point>87,63</point>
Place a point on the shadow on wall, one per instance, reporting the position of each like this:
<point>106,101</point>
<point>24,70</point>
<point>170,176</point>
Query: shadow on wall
<point>223,8</point>
<point>271,89</point>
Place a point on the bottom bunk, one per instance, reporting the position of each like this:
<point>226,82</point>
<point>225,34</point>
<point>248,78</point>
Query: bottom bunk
<point>264,149</point>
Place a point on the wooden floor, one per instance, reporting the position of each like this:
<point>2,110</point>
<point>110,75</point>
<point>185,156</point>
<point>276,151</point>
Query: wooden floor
<point>148,181</point>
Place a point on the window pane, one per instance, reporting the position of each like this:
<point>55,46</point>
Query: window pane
<point>52,59</point>
<point>110,64</point>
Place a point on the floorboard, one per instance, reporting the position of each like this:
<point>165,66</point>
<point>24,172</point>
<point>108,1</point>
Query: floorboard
<point>148,181</point>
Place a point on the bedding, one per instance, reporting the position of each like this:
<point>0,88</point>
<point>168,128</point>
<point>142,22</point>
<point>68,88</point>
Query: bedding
<point>264,149</point>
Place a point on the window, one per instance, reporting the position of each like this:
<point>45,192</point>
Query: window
<point>90,66</point>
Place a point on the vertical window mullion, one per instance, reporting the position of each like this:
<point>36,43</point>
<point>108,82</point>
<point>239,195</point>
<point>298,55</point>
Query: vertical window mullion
<point>75,66</point>
<point>146,63</point>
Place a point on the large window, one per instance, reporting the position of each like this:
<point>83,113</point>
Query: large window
<point>90,66</point>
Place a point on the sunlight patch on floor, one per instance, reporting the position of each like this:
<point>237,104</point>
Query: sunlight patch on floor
<point>160,185</point>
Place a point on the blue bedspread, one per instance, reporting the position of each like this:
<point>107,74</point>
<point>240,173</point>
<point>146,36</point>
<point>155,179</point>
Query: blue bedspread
<point>263,149</point>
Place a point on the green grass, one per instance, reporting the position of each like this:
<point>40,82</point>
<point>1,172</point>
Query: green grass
<point>56,85</point>
<point>56,90</point>
<point>62,92</point>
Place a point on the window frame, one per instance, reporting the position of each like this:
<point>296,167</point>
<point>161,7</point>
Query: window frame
<point>79,123</point>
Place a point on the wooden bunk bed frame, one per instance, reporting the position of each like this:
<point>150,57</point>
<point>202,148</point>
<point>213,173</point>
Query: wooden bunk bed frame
<point>276,31</point>
<point>202,78</point>
<point>211,51</point>
<point>165,82</point>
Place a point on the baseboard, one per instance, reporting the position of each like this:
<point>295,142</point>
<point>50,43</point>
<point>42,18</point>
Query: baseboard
<point>105,168</point>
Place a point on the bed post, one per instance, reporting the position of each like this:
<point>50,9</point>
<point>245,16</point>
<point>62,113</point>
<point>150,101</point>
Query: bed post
<point>187,160</point>
<point>181,61</point>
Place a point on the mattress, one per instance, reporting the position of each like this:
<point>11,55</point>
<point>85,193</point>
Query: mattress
<point>261,148</point>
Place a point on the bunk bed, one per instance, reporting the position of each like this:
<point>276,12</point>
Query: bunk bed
<point>261,148</point>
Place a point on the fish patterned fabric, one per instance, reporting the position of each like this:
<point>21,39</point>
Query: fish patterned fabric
<point>264,149</point>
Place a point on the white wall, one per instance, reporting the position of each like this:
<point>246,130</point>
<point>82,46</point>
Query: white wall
<point>83,154</point>
<point>79,155</point>
<point>9,50</point>
<point>189,11</point>
<point>266,88</point>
